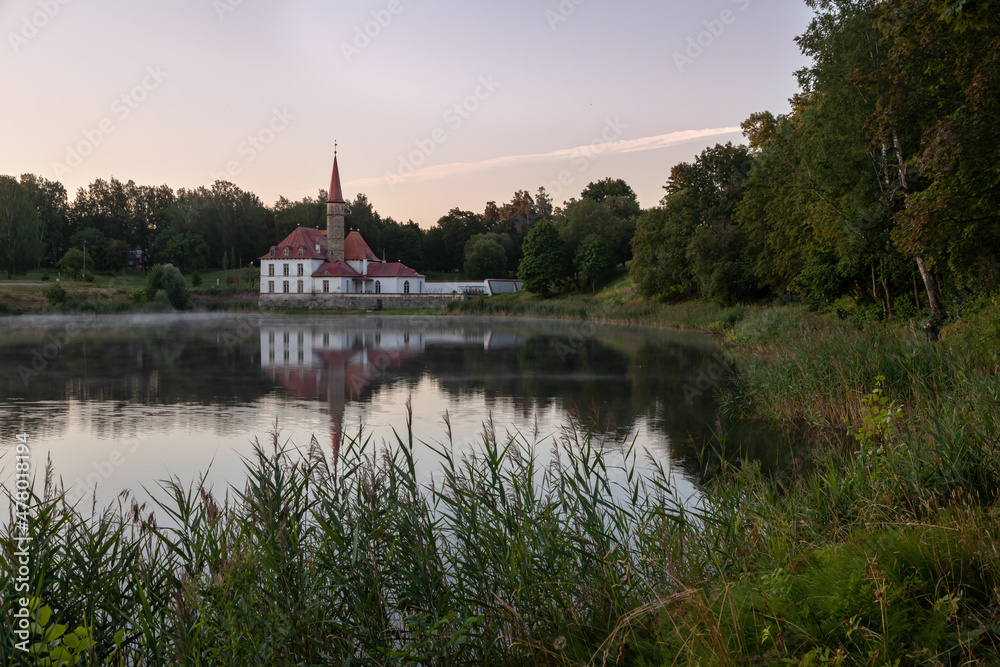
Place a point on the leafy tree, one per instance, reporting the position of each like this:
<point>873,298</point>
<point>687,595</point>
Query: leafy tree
<point>581,219</point>
<point>485,258</point>
<point>185,250</point>
<point>694,242</point>
<point>609,187</point>
<point>20,229</point>
<point>621,201</point>
<point>116,255</point>
<point>73,263</point>
<point>403,242</point>
<point>715,255</point>
<point>308,212</point>
<point>224,218</point>
<point>445,242</point>
<point>937,108</point>
<point>545,264</point>
<point>592,260</point>
<point>362,216</point>
<point>49,199</point>
<point>660,267</point>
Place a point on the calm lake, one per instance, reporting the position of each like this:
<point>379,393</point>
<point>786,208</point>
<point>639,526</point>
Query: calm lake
<point>122,402</point>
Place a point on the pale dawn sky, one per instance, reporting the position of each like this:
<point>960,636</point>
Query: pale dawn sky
<point>435,105</point>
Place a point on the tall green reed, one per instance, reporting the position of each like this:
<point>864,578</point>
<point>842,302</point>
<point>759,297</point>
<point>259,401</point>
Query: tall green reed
<point>517,553</point>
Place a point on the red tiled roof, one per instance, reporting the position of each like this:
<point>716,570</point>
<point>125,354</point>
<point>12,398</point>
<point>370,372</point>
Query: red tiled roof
<point>391,270</point>
<point>303,238</point>
<point>336,270</point>
<point>356,249</point>
<point>336,193</point>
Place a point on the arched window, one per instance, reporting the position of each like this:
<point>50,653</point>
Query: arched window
<point>406,287</point>
<point>378,287</point>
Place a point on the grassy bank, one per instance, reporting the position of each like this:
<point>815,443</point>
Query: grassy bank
<point>116,294</point>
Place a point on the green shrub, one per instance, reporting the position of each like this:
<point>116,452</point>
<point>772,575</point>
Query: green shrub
<point>160,301</point>
<point>196,279</point>
<point>55,294</point>
<point>168,278</point>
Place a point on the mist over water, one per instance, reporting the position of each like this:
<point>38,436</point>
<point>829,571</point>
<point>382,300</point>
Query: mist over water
<point>122,402</point>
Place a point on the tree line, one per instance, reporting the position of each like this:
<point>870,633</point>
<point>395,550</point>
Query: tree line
<point>877,190</point>
<point>121,223</point>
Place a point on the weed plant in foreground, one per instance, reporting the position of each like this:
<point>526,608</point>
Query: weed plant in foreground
<point>502,560</point>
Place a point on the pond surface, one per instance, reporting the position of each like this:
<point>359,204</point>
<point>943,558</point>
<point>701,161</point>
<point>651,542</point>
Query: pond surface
<point>123,402</point>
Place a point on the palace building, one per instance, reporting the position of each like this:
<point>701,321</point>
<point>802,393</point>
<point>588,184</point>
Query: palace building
<point>312,262</point>
<point>321,268</point>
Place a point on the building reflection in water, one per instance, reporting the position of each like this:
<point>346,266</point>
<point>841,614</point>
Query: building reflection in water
<point>335,362</point>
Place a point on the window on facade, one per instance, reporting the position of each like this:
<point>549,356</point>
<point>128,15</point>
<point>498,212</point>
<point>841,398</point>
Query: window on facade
<point>284,338</point>
<point>302,356</point>
<point>285,269</point>
<point>301,270</point>
<point>300,287</point>
<point>326,286</point>
<point>270,269</point>
<point>270,356</point>
<point>406,287</point>
<point>270,337</point>
<point>302,252</point>
<point>326,340</point>
<point>302,338</point>
<point>270,285</point>
<point>285,286</point>
<point>378,287</point>
<point>287,251</point>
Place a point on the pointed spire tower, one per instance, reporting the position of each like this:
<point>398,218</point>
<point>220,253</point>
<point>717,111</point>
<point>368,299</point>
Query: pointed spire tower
<point>335,209</point>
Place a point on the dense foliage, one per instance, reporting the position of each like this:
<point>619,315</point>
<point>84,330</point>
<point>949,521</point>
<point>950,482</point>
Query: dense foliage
<point>876,192</point>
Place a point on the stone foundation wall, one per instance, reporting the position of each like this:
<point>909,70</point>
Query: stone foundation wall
<point>355,301</point>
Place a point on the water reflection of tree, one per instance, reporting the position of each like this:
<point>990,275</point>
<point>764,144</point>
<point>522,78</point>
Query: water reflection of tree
<point>127,366</point>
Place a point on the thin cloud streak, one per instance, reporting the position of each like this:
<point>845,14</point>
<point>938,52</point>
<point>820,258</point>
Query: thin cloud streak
<point>611,148</point>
